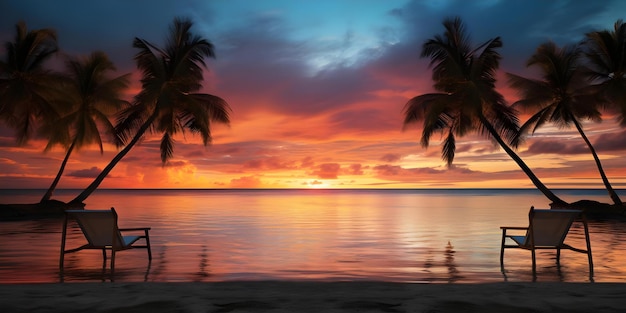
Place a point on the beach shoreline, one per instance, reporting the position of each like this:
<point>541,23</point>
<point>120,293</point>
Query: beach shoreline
<point>312,296</point>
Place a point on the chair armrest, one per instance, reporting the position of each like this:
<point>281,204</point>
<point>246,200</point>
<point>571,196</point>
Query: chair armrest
<point>135,229</point>
<point>505,228</point>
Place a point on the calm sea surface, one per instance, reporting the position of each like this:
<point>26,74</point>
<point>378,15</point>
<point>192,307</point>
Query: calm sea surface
<point>328,235</point>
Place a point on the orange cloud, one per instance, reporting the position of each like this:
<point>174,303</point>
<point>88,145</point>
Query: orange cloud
<point>327,171</point>
<point>245,182</point>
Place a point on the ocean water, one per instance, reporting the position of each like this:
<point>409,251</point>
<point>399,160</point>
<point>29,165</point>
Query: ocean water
<point>433,236</point>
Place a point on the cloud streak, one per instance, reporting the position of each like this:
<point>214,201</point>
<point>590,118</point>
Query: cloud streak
<point>317,92</point>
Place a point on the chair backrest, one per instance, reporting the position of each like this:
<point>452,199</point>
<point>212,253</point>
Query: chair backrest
<point>549,227</point>
<point>98,226</point>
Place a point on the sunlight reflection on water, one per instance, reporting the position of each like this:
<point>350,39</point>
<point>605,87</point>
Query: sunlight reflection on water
<point>331,235</point>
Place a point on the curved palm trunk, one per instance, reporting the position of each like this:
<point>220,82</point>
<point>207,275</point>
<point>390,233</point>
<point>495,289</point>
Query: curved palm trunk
<point>605,180</point>
<point>94,185</point>
<point>54,184</point>
<point>547,192</point>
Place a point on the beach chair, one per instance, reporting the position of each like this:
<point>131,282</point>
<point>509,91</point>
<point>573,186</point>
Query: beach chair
<point>100,229</point>
<point>547,229</point>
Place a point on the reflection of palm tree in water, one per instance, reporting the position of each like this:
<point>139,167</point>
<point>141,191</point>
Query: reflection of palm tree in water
<point>204,264</point>
<point>453,272</point>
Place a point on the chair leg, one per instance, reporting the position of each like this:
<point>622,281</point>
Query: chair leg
<point>61,267</point>
<point>502,249</point>
<point>534,262</point>
<point>104,258</point>
<point>590,263</point>
<point>112,261</point>
<point>558,255</point>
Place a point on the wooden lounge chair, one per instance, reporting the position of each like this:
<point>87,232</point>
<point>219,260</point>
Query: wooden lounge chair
<point>100,229</point>
<point>547,229</point>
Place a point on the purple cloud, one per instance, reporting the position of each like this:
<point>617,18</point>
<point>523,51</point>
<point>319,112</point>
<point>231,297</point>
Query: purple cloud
<point>615,141</point>
<point>545,146</point>
<point>85,173</point>
<point>390,157</point>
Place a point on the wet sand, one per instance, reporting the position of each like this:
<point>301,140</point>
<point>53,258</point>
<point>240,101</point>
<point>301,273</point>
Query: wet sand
<point>274,296</point>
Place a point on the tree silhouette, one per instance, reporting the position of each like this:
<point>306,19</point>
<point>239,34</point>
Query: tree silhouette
<point>93,97</point>
<point>26,86</point>
<point>168,102</point>
<point>561,97</point>
<point>606,61</point>
<point>467,101</point>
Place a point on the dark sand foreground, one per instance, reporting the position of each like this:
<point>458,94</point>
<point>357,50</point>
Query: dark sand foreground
<point>313,297</point>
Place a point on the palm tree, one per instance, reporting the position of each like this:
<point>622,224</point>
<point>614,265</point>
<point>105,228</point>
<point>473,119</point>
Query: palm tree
<point>606,59</point>
<point>94,96</point>
<point>467,100</point>
<point>561,97</point>
<point>168,102</point>
<point>26,87</point>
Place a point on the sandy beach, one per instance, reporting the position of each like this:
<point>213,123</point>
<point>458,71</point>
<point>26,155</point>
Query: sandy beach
<point>273,296</point>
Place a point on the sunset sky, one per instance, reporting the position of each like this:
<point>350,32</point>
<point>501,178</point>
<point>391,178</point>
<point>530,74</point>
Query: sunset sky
<point>317,90</point>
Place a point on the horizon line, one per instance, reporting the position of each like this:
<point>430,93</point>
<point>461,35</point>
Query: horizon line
<point>417,188</point>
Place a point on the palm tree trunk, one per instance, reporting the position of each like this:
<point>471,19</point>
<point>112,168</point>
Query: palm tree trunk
<point>54,184</point>
<point>94,185</point>
<point>547,192</point>
<point>605,180</point>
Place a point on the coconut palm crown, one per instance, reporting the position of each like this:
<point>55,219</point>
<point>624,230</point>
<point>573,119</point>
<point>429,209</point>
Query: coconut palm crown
<point>93,96</point>
<point>560,97</point>
<point>26,86</point>
<point>606,60</point>
<point>466,100</point>
<point>169,101</point>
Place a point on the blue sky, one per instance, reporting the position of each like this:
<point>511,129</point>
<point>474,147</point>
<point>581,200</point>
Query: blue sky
<point>335,27</point>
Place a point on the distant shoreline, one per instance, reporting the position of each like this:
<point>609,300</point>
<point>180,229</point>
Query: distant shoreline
<point>16,204</point>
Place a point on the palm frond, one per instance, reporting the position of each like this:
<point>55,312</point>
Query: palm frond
<point>449,148</point>
<point>466,77</point>
<point>605,51</point>
<point>538,119</point>
<point>26,83</point>
<point>150,61</point>
<point>487,63</point>
<point>167,148</point>
<point>586,106</point>
<point>533,93</point>
<point>56,135</point>
<point>31,49</point>
<point>450,55</point>
<point>563,96</point>
<point>505,119</point>
<point>103,120</point>
<point>218,109</point>
<point>430,108</point>
<point>416,108</point>
<point>195,117</point>
<point>436,125</point>
<point>606,55</point>
<point>96,96</point>
<point>108,94</point>
<point>128,122</point>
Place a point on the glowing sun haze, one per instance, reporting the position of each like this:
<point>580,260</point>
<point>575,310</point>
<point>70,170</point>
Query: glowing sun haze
<point>317,90</point>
